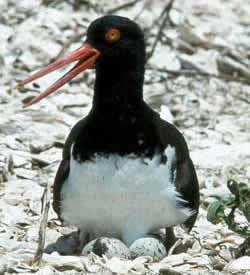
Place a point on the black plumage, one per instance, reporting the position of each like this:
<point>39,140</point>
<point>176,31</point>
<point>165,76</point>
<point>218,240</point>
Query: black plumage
<point>119,116</point>
<point>120,123</point>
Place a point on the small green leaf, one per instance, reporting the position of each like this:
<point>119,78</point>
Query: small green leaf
<point>215,212</point>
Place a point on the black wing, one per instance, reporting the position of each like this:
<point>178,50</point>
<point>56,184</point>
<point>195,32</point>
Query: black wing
<point>64,168</point>
<point>186,179</point>
<point>187,185</point>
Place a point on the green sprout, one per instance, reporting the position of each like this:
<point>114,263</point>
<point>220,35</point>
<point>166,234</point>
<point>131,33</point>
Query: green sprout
<point>223,210</point>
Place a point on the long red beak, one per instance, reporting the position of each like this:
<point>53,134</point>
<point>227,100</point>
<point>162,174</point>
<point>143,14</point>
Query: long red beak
<point>85,55</point>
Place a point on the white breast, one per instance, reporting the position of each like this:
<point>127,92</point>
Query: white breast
<point>122,197</point>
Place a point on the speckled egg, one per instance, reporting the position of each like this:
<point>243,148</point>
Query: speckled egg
<point>110,247</point>
<point>148,247</point>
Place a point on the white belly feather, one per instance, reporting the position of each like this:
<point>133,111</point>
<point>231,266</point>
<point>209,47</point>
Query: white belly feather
<point>122,197</point>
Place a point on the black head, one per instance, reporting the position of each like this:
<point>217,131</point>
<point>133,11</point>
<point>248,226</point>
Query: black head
<point>119,40</point>
<point>116,46</point>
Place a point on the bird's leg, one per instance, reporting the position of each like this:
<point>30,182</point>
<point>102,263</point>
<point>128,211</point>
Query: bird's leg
<point>170,238</point>
<point>174,245</point>
<point>83,240</point>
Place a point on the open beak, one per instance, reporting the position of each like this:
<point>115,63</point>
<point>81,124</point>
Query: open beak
<point>85,55</point>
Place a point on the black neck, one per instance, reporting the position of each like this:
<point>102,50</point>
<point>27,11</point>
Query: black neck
<point>118,86</point>
<point>119,116</point>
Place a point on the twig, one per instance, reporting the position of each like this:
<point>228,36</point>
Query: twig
<point>78,3</point>
<point>168,271</point>
<point>166,11</point>
<point>140,12</point>
<point>74,106</point>
<point>166,19</point>
<point>171,250</point>
<point>123,6</point>
<point>46,2</point>
<point>42,228</point>
<point>66,45</point>
<point>210,247</point>
<point>222,242</point>
<point>52,3</point>
<point>217,253</point>
<point>3,268</point>
<point>200,73</point>
<point>243,99</point>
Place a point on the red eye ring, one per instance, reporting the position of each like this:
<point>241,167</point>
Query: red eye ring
<point>112,35</point>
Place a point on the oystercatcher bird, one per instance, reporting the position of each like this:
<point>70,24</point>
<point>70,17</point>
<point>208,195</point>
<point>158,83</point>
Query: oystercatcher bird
<point>125,172</point>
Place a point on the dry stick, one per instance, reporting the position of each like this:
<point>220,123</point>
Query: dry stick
<point>66,45</point>
<point>243,99</point>
<point>140,12</point>
<point>194,73</point>
<point>123,6</point>
<point>3,268</point>
<point>74,106</point>
<point>168,271</point>
<point>166,19</point>
<point>42,228</point>
<point>52,3</point>
<point>210,247</point>
<point>78,3</point>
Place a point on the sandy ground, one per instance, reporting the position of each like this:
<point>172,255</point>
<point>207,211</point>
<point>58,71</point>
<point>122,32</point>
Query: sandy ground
<point>199,72</point>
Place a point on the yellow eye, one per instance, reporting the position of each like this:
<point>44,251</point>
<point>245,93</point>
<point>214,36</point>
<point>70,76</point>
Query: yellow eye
<point>112,35</point>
